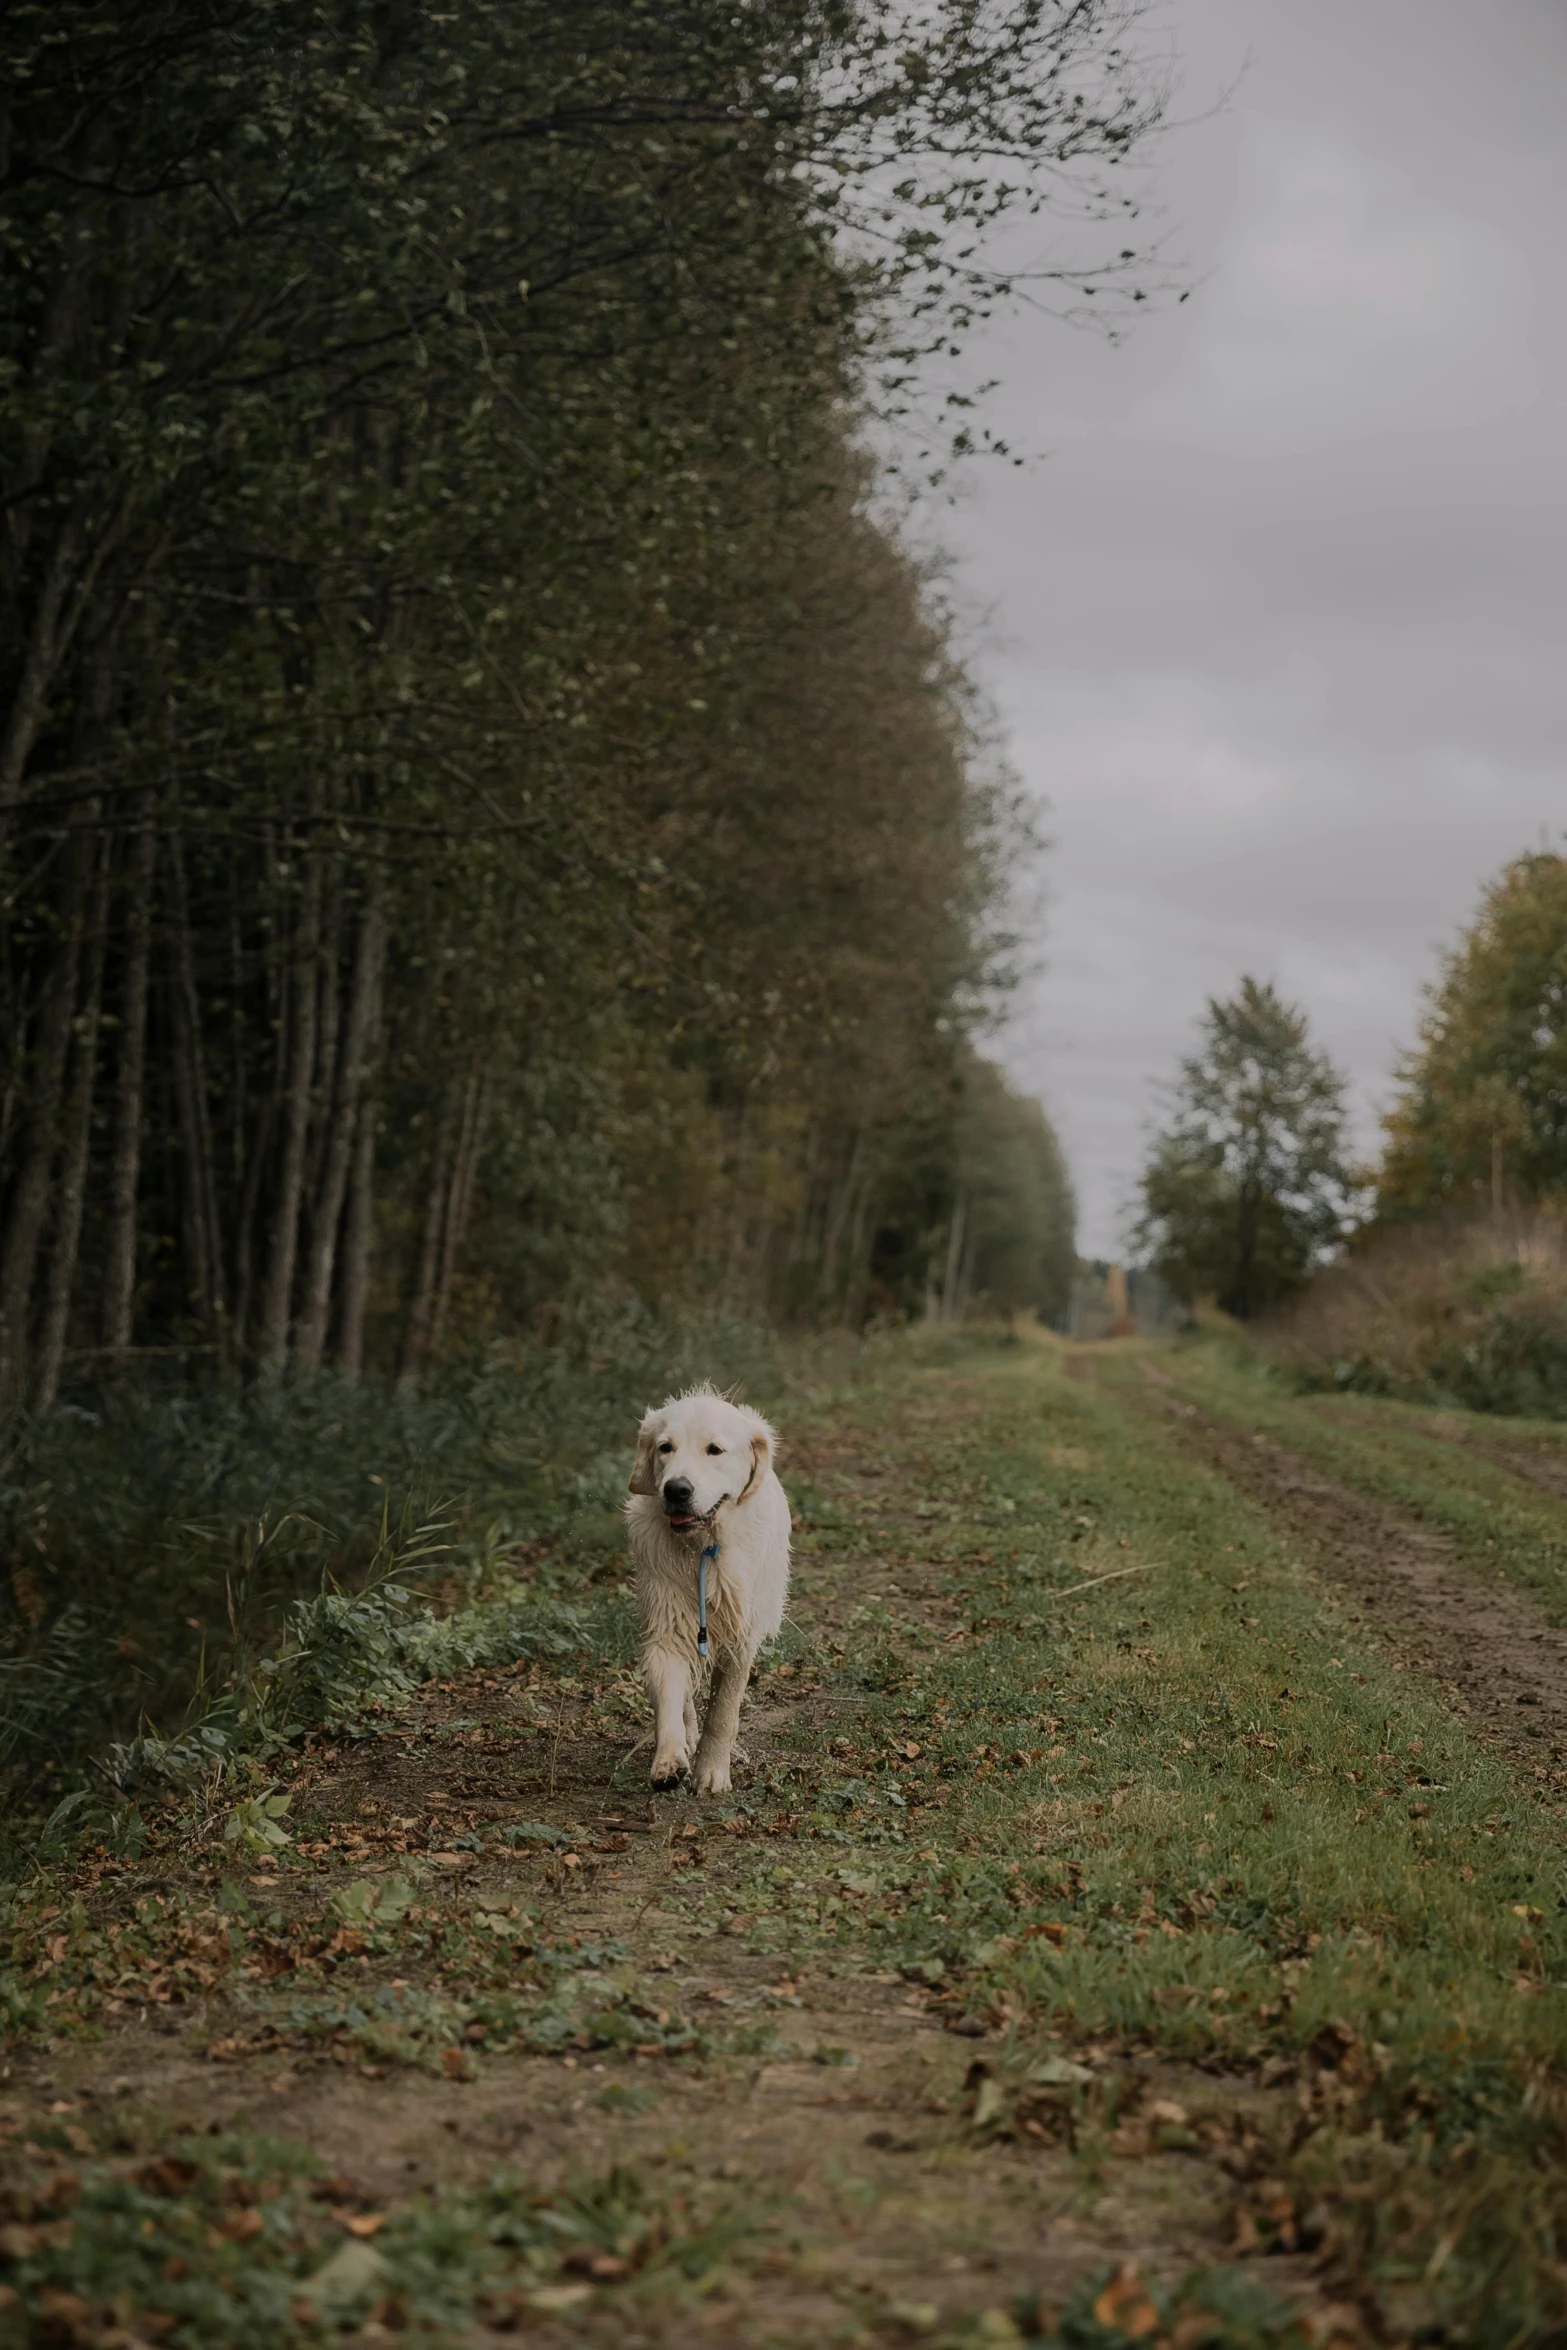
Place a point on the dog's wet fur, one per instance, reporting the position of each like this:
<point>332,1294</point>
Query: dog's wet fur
<point>704,1477</point>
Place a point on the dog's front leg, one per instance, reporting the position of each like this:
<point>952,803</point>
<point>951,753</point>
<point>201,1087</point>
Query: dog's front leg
<point>710,1772</point>
<point>668,1679</point>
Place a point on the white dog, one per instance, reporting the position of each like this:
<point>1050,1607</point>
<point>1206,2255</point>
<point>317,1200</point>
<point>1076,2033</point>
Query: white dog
<point>709,1529</point>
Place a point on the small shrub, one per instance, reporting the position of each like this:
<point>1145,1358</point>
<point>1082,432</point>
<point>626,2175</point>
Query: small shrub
<point>1471,1313</point>
<point>191,1572</point>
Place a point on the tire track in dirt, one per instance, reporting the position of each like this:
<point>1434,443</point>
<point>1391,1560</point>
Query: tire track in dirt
<point>1492,1651</point>
<point>1543,1466</point>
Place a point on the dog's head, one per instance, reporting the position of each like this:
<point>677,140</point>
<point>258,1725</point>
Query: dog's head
<point>699,1455</point>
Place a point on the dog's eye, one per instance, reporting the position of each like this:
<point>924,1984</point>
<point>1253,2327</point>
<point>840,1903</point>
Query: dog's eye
<point>715,1448</point>
<point>666,1446</point>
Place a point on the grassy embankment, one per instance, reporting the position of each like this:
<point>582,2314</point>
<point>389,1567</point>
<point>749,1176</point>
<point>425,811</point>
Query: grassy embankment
<point>1206,1968</point>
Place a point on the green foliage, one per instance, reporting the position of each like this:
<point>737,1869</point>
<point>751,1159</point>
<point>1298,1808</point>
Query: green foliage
<point>256,1826</point>
<point>1016,1228</point>
<point>1249,1185</point>
<point>1211,2309</point>
<point>1480,1113</point>
<point>217,2243</point>
<point>491,818</point>
<point>1448,1310</point>
<point>197,1572</point>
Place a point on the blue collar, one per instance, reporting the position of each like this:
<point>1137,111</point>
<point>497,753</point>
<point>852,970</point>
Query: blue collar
<point>711,1552</point>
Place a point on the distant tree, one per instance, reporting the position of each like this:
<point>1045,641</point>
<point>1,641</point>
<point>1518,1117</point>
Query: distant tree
<point>1481,1108</point>
<point>1010,1241</point>
<point>1249,1185</point>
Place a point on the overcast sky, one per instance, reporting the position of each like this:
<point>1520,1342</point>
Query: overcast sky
<point>1276,620</point>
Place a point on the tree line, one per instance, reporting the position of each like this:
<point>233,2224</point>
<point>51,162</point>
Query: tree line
<point>1250,1186</point>
<point>490,809</point>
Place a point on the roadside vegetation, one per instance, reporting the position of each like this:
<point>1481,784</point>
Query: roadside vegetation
<point>1468,1310</point>
<point>191,1575</point>
<point>1440,1274</point>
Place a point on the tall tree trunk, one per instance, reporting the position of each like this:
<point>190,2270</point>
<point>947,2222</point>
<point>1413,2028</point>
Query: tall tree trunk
<point>119,1278</point>
<point>40,655</point>
<point>358,1240</point>
<point>203,1266</point>
<point>29,1207</point>
<point>245,1223</point>
<point>283,1247</point>
<point>359,1039</point>
<point>69,577</point>
<point>246,1151</point>
<point>465,1167</point>
<point>840,1210</point>
<point>862,1241</point>
<point>952,1272</point>
<point>1246,1250</point>
<point>416,1338</point>
<point>78,1152</point>
<point>329,1026</point>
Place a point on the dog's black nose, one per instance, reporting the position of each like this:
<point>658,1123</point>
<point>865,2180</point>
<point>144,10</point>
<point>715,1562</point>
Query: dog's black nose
<point>677,1496</point>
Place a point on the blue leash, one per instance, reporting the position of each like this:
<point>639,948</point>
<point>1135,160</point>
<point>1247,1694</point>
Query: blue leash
<point>711,1552</point>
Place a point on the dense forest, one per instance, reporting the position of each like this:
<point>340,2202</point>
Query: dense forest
<point>491,811</point>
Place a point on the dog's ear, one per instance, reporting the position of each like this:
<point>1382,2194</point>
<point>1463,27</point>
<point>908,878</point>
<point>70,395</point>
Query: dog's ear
<point>642,1478</point>
<point>761,1454</point>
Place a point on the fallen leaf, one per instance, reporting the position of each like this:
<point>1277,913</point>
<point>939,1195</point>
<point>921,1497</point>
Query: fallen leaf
<point>550,2298</point>
<point>366,2223</point>
<point>65,2316</point>
<point>351,2272</point>
<point>1125,2303</point>
<point>166,2174</point>
<point>588,2261</point>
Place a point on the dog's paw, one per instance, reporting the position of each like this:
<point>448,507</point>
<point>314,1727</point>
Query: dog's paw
<point>670,1770</point>
<point>710,1775</point>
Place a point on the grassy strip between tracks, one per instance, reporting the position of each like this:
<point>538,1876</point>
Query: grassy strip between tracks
<point>1442,1466</point>
<point>1179,1810</point>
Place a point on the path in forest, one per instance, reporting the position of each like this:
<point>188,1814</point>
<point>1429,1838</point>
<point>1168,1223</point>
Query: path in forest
<point>955,2010</point>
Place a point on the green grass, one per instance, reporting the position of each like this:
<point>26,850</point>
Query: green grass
<point>1398,1453</point>
<point>1188,1811</point>
<point>166,1547</point>
<point>1213,1820</point>
<point>234,2242</point>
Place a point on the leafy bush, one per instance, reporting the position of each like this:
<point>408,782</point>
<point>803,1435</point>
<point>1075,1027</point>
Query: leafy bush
<point>1470,1312</point>
<point>183,1565</point>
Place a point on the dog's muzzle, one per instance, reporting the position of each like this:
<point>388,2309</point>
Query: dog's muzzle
<point>678,1497</point>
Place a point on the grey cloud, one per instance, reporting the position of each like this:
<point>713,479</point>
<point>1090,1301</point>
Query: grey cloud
<point>1277,622</point>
